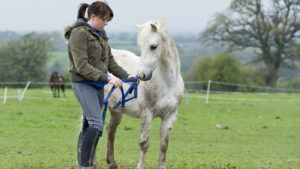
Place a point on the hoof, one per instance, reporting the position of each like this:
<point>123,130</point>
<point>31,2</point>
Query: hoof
<point>162,167</point>
<point>95,165</point>
<point>113,166</point>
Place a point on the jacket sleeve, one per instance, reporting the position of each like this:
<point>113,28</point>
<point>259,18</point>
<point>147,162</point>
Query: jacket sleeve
<point>78,43</point>
<point>114,68</point>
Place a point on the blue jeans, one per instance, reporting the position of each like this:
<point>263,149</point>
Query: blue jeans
<point>90,99</point>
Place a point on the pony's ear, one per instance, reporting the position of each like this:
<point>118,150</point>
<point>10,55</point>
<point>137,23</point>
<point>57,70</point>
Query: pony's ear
<point>139,27</point>
<point>163,23</point>
<point>153,27</point>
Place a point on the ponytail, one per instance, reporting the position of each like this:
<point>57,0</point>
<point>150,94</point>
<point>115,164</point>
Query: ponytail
<point>81,11</point>
<point>99,8</point>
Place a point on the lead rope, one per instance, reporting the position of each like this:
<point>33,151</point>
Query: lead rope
<point>133,88</point>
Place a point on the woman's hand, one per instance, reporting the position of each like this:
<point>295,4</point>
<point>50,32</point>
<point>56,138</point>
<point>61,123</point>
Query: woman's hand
<point>115,81</point>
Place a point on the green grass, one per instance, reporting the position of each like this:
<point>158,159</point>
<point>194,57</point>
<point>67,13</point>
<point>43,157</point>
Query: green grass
<point>263,132</point>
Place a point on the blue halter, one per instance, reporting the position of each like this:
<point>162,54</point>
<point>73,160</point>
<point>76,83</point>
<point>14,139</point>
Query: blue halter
<point>133,88</point>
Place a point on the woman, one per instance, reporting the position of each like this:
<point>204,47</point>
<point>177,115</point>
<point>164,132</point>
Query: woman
<point>90,60</point>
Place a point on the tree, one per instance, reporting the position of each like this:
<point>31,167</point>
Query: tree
<point>272,32</point>
<point>25,58</point>
<point>222,68</point>
<point>8,35</point>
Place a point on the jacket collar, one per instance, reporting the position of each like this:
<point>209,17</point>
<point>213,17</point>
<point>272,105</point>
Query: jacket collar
<point>98,33</point>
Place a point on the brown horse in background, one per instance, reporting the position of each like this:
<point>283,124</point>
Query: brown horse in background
<point>57,82</point>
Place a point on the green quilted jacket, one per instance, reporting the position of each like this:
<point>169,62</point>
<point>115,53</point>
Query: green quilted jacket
<point>90,54</point>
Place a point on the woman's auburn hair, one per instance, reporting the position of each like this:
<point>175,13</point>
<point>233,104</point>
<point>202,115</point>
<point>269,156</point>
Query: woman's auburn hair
<point>99,8</point>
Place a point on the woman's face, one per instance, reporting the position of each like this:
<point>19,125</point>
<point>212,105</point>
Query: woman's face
<point>99,22</point>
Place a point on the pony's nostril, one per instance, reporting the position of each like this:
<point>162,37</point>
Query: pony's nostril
<point>142,75</point>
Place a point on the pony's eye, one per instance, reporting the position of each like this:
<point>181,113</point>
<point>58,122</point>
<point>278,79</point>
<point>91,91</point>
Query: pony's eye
<point>153,47</point>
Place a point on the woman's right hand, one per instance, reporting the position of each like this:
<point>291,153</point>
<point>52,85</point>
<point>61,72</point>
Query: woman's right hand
<point>115,81</point>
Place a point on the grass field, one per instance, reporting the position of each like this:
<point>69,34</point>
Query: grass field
<point>259,131</point>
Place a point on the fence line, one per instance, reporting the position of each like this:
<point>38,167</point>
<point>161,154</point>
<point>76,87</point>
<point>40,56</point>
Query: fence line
<point>207,84</point>
<point>207,93</point>
<point>24,83</point>
<point>186,83</point>
<point>24,91</point>
<point>187,98</point>
<point>5,95</point>
<point>245,99</point>
<point>208,90</point>
<point>211,83</point>
<point>257,87</point>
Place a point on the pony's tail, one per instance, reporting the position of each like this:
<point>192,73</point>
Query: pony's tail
<point>82,10</point>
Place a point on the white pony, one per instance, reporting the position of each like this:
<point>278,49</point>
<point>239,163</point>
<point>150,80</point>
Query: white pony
<point>159,92</point>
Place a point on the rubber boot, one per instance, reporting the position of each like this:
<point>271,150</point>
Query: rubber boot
<point>79,145</point>
<point>85,126</point>
<point>87,148</point>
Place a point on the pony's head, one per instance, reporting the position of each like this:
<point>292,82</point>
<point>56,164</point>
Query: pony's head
<point>152,37</point>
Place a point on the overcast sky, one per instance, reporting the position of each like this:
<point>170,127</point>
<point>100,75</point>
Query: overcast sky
<point>49,15</point>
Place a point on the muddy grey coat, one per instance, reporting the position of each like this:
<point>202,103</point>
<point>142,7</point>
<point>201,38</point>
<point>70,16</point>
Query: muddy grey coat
<point>90,54</point>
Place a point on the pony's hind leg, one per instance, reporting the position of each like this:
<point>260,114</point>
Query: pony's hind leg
<point>63,90</point>
<point>115,120</point>
<point>166,125</point>
<point>146,120</point>
<point>53,91</point>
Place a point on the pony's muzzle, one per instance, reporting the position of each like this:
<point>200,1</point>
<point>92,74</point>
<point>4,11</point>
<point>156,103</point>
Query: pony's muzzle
<point>142,76</point>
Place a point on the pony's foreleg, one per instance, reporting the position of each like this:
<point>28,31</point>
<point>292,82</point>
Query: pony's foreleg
<point>115,120</point>
<point>53,92</point>
<point>146,120</point>
<point>63,90</point>
<point>58,91</point>
<point>166,125</point>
